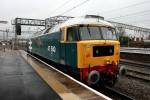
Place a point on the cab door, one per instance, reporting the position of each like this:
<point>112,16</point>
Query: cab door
<point>69,48</point>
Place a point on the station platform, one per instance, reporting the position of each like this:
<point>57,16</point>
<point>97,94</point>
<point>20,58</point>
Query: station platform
<point>133,62</point>
<point>141,55</point>
<point>24,78</point>
<point>133,50</point>
<point>19,81</point>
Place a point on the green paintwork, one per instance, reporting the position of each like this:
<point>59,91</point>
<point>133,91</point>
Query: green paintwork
<point>66,52</point>
<point>69,54</point>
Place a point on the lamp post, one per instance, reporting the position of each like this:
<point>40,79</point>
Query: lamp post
<point>7,31</point>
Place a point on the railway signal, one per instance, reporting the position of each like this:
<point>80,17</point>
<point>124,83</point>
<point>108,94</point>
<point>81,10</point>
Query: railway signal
<point>18,29</point>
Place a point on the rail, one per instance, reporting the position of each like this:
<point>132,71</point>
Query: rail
<point>113,93</point>
<point>138,75</point>
<point>135,63</point>
<point>136,72</point>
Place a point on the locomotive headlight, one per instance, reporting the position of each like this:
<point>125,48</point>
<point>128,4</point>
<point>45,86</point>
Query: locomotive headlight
<point>114,63</point>
<point>107,61</point>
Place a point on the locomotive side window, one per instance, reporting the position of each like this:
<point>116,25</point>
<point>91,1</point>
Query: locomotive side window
<point>62,34</point>
<point>72,34</point>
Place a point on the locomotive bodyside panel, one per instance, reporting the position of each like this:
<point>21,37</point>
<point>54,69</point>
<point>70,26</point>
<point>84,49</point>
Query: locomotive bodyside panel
<point>53,47</point>
<point>47,46</point>
<point>71,54</point>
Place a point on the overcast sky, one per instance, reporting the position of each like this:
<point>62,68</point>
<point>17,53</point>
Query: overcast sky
<point>135,12</point>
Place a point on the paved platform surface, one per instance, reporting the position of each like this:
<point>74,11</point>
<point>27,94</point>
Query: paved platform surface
<point>63,84</point>
<point>18,80</point>
<point>135,50</point>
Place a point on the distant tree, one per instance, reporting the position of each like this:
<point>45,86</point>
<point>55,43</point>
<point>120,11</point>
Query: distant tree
<point>122,38</point>
<point>120,31</point>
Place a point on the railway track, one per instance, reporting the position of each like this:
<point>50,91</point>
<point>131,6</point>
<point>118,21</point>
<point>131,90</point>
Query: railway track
<point>106,91</point>
<point>136,71</point>
<point>134,63</point>
<point>139,75</point>
<point>114,94</point>
<point>117,95</point>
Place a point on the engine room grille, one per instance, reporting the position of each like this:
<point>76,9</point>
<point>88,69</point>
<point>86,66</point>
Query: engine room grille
<point>103,51</point>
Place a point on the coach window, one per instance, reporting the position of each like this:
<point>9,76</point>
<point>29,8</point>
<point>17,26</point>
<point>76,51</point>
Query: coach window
<point>72,34</point>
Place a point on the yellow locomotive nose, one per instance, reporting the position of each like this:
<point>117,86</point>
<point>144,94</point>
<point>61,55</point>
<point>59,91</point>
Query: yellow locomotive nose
<point>97,53</point>
<point>98,58</point>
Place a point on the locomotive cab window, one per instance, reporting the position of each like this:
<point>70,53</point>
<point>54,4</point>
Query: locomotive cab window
<point>97,33</point>
<point>90,33</point>
<point>72,34</point>
<point>108,33</point>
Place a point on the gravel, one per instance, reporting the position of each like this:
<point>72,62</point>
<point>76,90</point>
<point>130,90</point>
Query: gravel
<point>135,88</point>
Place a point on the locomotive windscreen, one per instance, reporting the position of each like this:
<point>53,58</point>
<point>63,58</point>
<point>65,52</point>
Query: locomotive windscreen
<point>97,33</point>
<point>103,51</point>
<point>87,32</point>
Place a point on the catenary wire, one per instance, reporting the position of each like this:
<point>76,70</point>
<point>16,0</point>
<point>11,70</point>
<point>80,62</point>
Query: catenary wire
<point>132,5</point>
<point>139,21</point>
<point>131,14</point>
<point>62,5</point>
<point>78,5</point>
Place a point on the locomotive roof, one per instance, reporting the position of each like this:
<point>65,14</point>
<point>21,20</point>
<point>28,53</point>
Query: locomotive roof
<point>83,21</point>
